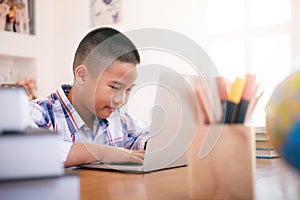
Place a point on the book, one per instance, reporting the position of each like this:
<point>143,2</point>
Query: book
<point>261,134</point>
<point>14,109</point>
<point>267,153</point>
<point>260,129</point>
<point>28,154</point>
<point>264,144</point>
<point>66,186</point>
<point>262,137</point>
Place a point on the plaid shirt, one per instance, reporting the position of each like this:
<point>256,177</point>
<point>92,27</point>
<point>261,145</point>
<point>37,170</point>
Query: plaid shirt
<point>57,113</point>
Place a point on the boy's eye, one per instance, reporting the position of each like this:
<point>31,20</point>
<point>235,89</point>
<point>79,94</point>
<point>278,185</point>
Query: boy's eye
<point>113,87</point>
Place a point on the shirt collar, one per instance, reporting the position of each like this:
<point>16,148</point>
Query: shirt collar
<point>77,120</point>
<point>103,123</point>
<point>71,111</point>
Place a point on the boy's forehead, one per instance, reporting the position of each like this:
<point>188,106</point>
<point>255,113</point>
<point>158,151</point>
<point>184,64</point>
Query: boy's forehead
<point>122,68</point>
<point>121,73</point>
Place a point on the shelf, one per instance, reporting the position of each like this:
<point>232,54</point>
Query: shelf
<point>17,56</point>
<point>18,45</point>
<point>13,69</point>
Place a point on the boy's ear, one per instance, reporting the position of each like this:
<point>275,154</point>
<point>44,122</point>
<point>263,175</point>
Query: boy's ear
<point>81,73</point>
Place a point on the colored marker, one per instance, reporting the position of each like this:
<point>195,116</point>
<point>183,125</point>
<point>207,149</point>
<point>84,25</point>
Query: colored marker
<point>233,99</point>
<point>222,91</point>
<point>248,93</point>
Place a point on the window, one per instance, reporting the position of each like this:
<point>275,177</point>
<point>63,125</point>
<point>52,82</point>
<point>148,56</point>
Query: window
<point>253,36</point>
<point>269,12</point>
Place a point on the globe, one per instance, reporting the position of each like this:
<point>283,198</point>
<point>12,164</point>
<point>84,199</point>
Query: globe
<point>283,119</point>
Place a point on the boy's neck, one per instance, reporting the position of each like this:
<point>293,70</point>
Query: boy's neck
<point>86,116</point>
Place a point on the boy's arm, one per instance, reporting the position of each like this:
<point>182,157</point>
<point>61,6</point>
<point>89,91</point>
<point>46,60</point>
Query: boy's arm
<point>81,153</point>
<point>136,133</point>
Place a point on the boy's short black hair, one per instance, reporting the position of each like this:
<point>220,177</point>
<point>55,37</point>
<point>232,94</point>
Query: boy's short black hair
<point>102,46</point>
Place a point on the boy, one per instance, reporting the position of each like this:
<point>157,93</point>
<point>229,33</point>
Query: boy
<point>87,113</point>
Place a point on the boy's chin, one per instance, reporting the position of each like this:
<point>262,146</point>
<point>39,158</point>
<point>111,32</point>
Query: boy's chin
<point>104,115</point>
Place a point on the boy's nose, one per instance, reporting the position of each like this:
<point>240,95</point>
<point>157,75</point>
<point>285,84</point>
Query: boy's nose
<point>119,99</point>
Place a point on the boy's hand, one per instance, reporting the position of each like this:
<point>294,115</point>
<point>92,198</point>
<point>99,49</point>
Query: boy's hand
<point>81,153</point>
<point>110,154</point>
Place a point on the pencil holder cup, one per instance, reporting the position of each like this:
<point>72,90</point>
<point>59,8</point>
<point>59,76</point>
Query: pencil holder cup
<point>221,162</point>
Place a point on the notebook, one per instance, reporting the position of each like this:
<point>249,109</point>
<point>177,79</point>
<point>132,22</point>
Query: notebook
<point>174,123</point>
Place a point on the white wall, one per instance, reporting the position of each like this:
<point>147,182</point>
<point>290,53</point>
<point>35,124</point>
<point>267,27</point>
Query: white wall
<point>177,15</point>
<point>59,28</point>
<point>45,44</point>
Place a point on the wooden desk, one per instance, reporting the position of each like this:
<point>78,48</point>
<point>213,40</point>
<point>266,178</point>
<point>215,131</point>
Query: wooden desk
<point>274,180</point>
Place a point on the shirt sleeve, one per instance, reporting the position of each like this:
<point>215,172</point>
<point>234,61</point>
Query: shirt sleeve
<point>65,146</point>
<point>40,119</point>
<point>136,133</point>
<point>39,116</point>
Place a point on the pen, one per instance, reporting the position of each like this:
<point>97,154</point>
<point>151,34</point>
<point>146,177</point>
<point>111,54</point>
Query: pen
<point>222,91</point>
<point>202,95</point>
<point>248,93</point>
<point>234,98</point>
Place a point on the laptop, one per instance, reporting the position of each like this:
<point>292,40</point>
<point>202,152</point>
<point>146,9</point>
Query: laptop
<point>173,126</point>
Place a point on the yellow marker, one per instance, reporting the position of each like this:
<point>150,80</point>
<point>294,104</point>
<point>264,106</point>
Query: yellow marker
<point>236,90</point>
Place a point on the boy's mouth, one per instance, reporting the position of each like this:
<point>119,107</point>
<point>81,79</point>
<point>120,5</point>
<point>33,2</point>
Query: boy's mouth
<point>111,109</point>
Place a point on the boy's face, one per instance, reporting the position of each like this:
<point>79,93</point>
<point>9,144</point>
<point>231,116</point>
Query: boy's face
<point>113,88</point>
